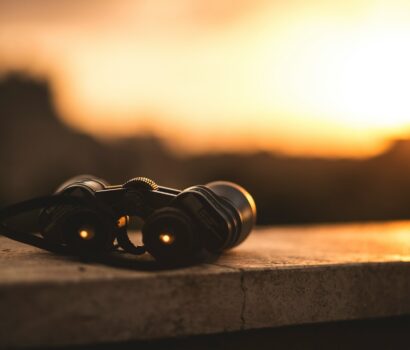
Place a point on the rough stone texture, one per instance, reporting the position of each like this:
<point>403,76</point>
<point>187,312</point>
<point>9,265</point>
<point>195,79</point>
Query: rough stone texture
<point>279,276</point>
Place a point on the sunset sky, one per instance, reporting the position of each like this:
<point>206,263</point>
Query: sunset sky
<point>305,77</point>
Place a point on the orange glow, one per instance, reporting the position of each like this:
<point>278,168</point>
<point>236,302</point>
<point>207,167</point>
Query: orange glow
<point>166,238</point>
<point>301,77</point>
<point>86,234</point>
<point>122,221</point>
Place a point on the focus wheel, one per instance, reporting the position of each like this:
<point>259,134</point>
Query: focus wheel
<point>141,183</point>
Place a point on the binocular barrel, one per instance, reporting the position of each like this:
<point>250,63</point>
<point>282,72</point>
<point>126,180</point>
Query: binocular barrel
<point>241,200</point>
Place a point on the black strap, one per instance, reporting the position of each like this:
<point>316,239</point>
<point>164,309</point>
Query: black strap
<point>36,203</point>
<point>27,206</point>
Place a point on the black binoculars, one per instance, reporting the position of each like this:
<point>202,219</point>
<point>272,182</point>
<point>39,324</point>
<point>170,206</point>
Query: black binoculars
<point>89,217</point>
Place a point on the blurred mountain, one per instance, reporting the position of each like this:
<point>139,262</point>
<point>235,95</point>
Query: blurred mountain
<point>38,152</point>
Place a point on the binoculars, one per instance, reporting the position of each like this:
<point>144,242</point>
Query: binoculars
<point>87,216</point>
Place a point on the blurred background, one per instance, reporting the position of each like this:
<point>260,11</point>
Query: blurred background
<point>306,103</point>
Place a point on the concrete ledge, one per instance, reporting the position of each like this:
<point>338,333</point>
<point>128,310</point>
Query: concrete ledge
<point>280,276</point>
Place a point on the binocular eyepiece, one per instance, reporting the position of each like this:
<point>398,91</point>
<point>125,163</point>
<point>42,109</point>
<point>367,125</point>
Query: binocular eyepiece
<point>180,227</point>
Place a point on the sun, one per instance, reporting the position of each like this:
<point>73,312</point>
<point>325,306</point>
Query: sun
<point>372,84</point>
<point>356,77</point>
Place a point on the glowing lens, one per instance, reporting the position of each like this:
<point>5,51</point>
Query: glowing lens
<point>86,233</point>
<point>166,238</point>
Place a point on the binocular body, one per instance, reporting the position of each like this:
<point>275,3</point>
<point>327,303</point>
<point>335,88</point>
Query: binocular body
<point>179,226</point>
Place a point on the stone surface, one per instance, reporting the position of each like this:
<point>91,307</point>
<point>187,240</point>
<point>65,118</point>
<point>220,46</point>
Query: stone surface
<point>279,276</point>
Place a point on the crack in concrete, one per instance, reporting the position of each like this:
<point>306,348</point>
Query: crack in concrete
<point>243,309</point>
<point>243,290</point>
